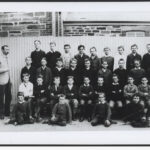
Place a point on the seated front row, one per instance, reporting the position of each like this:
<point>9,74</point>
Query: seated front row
<point>97,105</point>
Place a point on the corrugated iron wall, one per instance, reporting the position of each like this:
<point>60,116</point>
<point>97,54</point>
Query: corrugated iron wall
<point>20,47</point>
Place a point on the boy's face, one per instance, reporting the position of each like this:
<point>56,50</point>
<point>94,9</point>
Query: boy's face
<point>43,62</point>
<point>101,98</point>
<point>144,81</point>
<point>87,64</point>
<point>81,50</point>
<point>28,61</point>
<point>57,81</point>
<point>62,100</point>
<point>100,81</point>
<point>67,49</point>
<point>26,79</point>
<point>6,50</point>
<point>134,49</point>
<point>136,99</point>
<point>120,51</point>
<point>148,48</point>
<point>115,79</point>
<point>37,44</point>
<point>106,51</point>
<point>137,64</point>
<point>104,65</point>
<point>93,52</point>
<point>86,81</point>
<point>121,64</point>
<point>40,81</point>
<point>59,63</point>
<point>130,80</point>
<point>70,81</point>
<point>52,46</point>
<point>20,98</point>
<point>73,64</point>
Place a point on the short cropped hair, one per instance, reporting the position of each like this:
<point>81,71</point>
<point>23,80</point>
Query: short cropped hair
<point>121,47</point>
<point>3,47</point>
<point>93,48</point>
<point>81,46</point>
<point>37,41</point>
<point>67,45</point>
<point>53,43</point>
<point>134,45</point>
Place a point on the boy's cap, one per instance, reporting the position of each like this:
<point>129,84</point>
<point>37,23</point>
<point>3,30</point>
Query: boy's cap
<point>20,94</point>
<point>59,59</point>
<point>70,77</point>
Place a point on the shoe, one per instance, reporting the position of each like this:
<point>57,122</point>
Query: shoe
<point>81,119</point>
<point>89,119</point>
<point>15,123</point>
<point>1,117</point>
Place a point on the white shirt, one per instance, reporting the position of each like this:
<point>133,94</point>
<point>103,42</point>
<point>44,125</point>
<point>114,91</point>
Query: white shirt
<point>66,59</point>
<point>4,75</point>
<point>117,58</point>
<point>26,88</point>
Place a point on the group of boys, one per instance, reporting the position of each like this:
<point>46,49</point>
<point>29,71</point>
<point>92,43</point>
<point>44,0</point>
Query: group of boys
<point>67,88</point>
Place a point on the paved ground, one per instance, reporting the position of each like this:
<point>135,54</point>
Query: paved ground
<point>74,126</point>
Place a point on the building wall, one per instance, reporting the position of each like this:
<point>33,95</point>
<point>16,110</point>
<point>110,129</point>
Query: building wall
<point>105,29</point>
<point>22,24</point>
<point>20,47</point>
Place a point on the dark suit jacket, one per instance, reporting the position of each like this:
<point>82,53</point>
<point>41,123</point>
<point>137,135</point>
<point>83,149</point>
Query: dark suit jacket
<point>47,75</point>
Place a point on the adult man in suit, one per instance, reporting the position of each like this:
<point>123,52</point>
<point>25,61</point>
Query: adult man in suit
<point>5,86</point>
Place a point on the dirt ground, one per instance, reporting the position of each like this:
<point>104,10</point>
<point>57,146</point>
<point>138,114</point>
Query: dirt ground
<point>74,126</point>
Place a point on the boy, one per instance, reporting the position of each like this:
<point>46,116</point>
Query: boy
<point>131,57</point>
<point>121,72</point>
<point>144,90</point>
<point>102,112</point>
<point>100,88</point>
<point>71,93</point>
<point>55,91</point>
<point>59,71</point>
<point>67,56</point>
<point>20,113</point>
<point>89,72</point>
<point>52,56</point>
<point>116,98</point>
<point>29,69</point>
<point>73,71</point>
<point>108,58</point>
<point>106,73</point>
<point>137,72</point>
<point>61,113</point>
<point>27,88</point>
<point>45,72</point>
<point>80,57</point>
<point>41,94</point>
<point>129,90</point>
<point>86,98</point>
<point>120,55</point>
<point>94,59</point>
<point>37,54</point>
<point>134,111</point>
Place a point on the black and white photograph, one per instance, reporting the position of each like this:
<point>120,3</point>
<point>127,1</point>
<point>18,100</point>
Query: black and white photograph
<point>75,70</point>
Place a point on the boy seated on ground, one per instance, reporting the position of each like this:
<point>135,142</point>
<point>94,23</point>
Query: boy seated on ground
<point>61,114</point>
<point>71,93</point>
<point>20,113</point>
<point>129,90</point>
<point>135,112</point>
<point>102,112</point>
<point>116,98</point>
<point>41,94</point>
<point>86,100</point>
<point>27,88</point>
